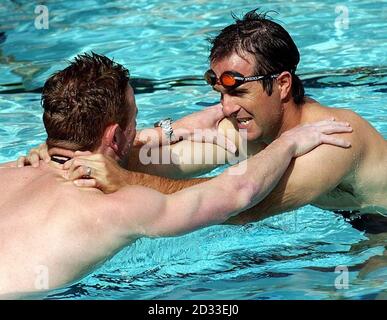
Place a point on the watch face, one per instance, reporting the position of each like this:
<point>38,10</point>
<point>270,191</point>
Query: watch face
<point>165,123</point>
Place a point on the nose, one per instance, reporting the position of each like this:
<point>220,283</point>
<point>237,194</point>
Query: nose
<point>229,107</point>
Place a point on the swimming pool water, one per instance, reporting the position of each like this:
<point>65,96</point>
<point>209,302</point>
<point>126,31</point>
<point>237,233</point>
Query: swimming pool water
<point>163,43</point>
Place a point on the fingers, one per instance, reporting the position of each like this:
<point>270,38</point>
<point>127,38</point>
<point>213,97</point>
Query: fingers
<point>77,168</point>
<point>215,138</point>
<point>330,121</point>
<point>333,123</point>
<point>77,172</point>
<point>335,141</point>
<point>324,122</point>
<point>225,143</point>
<point>33,158</point>
<point>329,129</point>
<point>21,162</point>
<point>67,165</point>
<point>330,126</point>
<point>76,162</point>
<point>43,151</point>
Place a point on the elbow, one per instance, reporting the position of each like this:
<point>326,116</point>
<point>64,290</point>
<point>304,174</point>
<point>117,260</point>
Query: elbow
<point>247,193</point>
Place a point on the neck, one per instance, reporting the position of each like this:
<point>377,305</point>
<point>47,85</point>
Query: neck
<point>291,118</point>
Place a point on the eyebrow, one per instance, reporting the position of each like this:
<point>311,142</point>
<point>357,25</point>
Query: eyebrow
<point>235,91</point>
<point>238,91</point>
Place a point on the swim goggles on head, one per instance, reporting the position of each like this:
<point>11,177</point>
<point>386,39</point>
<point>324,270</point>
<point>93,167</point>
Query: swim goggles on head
<point>232,79</point>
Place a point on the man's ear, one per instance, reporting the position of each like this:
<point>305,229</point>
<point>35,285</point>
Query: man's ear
<point>284,81</point>
<point>111,137</point>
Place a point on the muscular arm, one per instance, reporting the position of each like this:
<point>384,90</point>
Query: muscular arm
<point>306,179</point>
<point>156,214</point>
<point>152,213</point>
<point>185,159</point>
<point>188,158</point>
<point>161,184</point>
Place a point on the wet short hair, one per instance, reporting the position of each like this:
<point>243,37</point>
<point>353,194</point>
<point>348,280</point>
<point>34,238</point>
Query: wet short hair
<point>271,45</point>
<point>81,100</point>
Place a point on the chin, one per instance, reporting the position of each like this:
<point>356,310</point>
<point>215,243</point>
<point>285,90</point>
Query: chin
<point>254,135</point>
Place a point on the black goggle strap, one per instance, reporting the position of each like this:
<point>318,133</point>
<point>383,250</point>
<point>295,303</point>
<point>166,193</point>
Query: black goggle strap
<point>271,76</point>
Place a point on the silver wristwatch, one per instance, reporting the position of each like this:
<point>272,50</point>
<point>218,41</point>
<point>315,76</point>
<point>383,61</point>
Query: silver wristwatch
<point>166,126</point>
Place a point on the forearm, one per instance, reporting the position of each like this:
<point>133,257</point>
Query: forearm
<point>151,136</point>
<point>268,207</point>
<point>184,158</point>
<point>233,191</point>
<point>152,140</point>
<point>181,160</point>
<point>211,202</point>
<point>143,162</point>
<point>154,137</point>
<point>284,197</point>
<point>261,173</point>
<point>163,185</point>
<point>306,180</point>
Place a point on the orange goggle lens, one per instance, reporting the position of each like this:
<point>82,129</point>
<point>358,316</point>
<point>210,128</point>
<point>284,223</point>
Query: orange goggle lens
<point>227,80</point>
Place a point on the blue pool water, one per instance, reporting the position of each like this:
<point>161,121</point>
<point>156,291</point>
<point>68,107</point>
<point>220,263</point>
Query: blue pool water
<point>163,43</point>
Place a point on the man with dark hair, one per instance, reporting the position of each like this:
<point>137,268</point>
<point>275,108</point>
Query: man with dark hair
<point>52,233</point>
<point>272,101</point>
<point>270,46</point>
<point>253,67</point>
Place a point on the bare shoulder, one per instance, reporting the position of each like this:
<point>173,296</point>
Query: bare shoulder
<point>330,164</point>
<point>362,129</point>
<point>317,112</point>
<point>364,139</point>
<point>130,208</point>
<point>356,120</point>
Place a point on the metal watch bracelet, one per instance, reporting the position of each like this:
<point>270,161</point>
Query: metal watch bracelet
<point>166,127</point>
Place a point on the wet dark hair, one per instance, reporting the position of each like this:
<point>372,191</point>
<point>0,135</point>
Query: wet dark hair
<point>81,100</point>
<point>273,49</point>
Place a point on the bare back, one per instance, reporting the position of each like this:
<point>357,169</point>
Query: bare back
<point>49,227</point>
